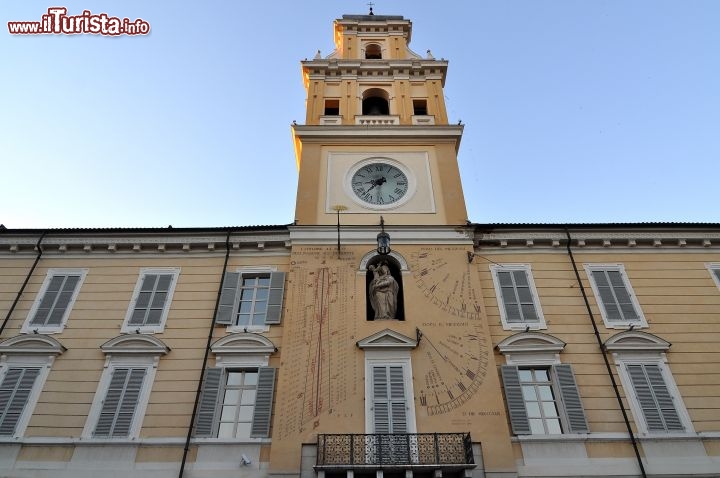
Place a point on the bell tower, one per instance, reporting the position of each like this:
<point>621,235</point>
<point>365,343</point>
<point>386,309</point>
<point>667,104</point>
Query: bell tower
<point>376,139</point>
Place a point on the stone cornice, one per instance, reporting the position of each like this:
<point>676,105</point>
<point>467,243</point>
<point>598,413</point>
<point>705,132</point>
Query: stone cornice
<point>632,238</point>
<point>161,241</point>
<point>392,134</point>
<point>400,235</point>
<point>407,69</point>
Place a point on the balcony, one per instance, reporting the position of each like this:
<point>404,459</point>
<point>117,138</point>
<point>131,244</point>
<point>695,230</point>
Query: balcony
<point>402,450</point>
<point>377,120</point>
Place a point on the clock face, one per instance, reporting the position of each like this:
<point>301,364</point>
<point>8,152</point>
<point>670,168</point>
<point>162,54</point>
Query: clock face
<point>379,183</point>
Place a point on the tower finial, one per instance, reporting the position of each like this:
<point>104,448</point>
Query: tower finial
<point>371,4</point>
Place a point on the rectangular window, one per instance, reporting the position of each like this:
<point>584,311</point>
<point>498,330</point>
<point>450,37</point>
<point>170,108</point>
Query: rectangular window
<point>55,299</point>
<point>251,299</point>
<point>654,398</point>
<point>420,107</point>
<point>15,390</point>
<point>332,107</point>
<point>618,305</point>
<point>120,402</point>
<point>236,403</point>
<point>151,300</point>
<point>543,400</point>
<point>517,297</point>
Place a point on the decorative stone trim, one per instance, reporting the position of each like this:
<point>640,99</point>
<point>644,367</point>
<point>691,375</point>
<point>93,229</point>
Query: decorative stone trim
<point>31,344</point>
<point>135,344</point>
<point>387,339</point>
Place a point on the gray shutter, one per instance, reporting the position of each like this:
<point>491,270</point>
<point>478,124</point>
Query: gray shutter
<point>205,421</point>
<point>228,294</point>
<point>515,402</point>
<point>14,394</point>
<point>622,296</point>
<point>654,397</point>
<point>55,300</point>
<point>263,402</point>
<point>389,401</point>
<point>517,296</point>
<point>607,298</point>
<point>151,299</point>
<point>121,401</point>
<point>381,406</point>
<point>576,421</point>
<point>398,405</point>
<point>274,307</point>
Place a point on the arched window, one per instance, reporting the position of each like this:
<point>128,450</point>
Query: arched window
<point>373,52</point>
<point>375,102</point>
<point>382,289</point>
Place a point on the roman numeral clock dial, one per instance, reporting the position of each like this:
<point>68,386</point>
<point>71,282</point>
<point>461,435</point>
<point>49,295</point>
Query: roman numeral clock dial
<point>453,343</point>
<point>379,184</point>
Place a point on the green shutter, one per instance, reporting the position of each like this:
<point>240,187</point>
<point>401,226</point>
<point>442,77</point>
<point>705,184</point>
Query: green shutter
<point>14,394</point>
<point>121,401</point>
<point>205,422</point>
<point>576,421</point>
<point>515,402</point>
<point>274,308</point>
<point>263,402</point>
<point>226,307</point>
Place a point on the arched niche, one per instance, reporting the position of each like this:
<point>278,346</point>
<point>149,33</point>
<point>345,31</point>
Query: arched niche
<point>395,267</point>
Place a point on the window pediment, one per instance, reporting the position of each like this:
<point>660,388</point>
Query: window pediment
<point>530,342</point>
<point>636,340</point>
<point>387,339</point>
<point>135,344</point>
<point>243,343</point>
<point>31,344</point>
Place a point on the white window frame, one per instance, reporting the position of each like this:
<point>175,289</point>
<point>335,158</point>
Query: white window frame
<point>714,269</point>
<point>638,324</point>
<point>150,329</point>
<point>243,271</point>
<point>540,324</point>
<point>27,328</point>
<point>236,352</point>
<point>44,363</point>
<point>136,351</point>
<point>537,350</point>
<point>389,358</point>
<point>622,360</point>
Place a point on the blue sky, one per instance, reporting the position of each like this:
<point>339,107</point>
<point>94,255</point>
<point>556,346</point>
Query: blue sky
<point>575,111</point>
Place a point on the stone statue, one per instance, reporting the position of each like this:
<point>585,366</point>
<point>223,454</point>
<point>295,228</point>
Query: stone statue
<point>383,291</point>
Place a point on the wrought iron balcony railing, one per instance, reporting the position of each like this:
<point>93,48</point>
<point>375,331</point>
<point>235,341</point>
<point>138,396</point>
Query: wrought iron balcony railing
<point>401,449</point>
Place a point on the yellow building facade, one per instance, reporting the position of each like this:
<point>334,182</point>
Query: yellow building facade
<point>382,333</point>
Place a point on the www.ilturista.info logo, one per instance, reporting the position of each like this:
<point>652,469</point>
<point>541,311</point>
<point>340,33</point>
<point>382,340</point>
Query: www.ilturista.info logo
<point>57,21</point>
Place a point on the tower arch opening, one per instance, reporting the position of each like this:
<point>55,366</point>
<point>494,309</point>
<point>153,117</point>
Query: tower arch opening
<point>373,52</point>
<point>375,102</point>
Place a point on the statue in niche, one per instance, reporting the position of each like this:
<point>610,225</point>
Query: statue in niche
<point>383,292</point>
